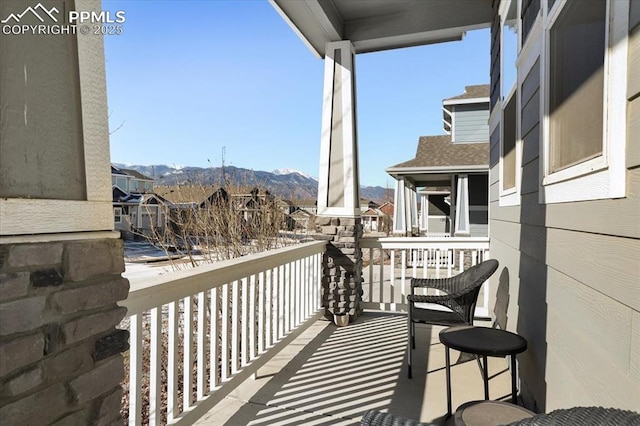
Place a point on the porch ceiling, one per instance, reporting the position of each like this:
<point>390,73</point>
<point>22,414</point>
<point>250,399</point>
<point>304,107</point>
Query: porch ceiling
<point>375,25</point>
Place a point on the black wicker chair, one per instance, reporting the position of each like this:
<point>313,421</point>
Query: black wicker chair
<point>583,416</point>
<point>378,418</point>
<point>460,297</point>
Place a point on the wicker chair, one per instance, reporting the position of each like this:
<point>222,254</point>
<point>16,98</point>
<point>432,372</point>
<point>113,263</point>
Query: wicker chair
<point>460,297</point>
<point>378,418</point>
<point>583,416</point>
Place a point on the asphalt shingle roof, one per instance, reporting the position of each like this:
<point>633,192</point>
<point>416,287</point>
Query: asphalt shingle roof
<point>471,92</point>
<point>436,151</point>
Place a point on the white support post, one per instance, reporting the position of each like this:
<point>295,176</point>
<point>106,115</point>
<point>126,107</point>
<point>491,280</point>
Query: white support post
<point>414,208</point>
<point>462,207</point>
<point>424,214</point>
<point>338,183</point>
<point>399,210</point>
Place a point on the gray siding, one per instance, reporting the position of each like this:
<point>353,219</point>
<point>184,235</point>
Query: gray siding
<point>470,123</point>
<point>572,271</point>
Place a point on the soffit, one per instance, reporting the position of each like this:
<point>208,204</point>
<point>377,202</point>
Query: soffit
<point>375,25</point>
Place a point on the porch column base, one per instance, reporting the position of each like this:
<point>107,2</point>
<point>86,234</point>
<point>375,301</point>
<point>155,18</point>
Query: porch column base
<point>341,265</point>
<point>60,355</point>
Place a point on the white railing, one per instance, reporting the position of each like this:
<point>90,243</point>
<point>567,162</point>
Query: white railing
<point>390,263</point>
<point>197,334</point>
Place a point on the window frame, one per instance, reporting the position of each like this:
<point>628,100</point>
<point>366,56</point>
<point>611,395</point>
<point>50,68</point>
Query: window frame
<point>510,196</point>
<point>117,215</point>
<point>603,176</point>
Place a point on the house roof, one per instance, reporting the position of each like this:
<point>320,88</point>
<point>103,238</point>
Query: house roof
<point>387,208</point>
<point>437,159</point>
<point>472,92</point>
<point>179,194</point>
<point>136,174</point>
<point>439,151</point>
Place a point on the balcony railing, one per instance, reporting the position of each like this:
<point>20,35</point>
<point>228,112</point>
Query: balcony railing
<point>199,333</point>
<point>392,262</point>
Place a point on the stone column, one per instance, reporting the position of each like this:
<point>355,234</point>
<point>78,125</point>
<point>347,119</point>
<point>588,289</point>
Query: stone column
<point>339,219</point>
<point>60,260</point>
<point>60,351</point>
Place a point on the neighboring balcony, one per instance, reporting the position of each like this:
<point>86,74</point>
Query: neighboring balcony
<point>249,339</point>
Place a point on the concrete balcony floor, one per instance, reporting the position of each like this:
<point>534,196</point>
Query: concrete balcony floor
<point>331,376</point>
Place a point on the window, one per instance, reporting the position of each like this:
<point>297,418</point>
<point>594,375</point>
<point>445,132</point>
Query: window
<point>585,104</point>
<point>509,137</point>
<point>509,161</point>
<point>528,14</point>
<point>576,79</point>
<point>121,183</point>
<point>117,214</point>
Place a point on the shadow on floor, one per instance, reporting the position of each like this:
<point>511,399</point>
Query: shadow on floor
<point>341,373</point>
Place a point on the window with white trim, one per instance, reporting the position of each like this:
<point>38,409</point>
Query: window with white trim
<point>509,158</point>
<point>117,214</point>
<point>585,104</point>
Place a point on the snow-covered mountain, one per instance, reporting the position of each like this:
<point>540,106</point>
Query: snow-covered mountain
<point>287,183</point>
<point>290,171</point>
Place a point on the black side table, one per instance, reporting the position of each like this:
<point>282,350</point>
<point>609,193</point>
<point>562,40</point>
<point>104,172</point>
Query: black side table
<point>485,342</point>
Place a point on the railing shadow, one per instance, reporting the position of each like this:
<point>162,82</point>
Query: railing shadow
<point>339,374</point>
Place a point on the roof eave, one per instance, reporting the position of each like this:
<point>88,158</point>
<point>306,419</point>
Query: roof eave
<point>473,168</point>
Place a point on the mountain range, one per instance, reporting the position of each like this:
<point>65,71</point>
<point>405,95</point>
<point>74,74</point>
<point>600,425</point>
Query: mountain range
<point>286,183</point>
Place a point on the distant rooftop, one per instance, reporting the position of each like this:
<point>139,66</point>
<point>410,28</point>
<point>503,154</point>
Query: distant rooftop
<point>136,174</point>
<point>472,92</point>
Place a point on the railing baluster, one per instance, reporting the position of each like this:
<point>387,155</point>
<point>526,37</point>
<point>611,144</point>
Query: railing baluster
<point>392,280</point>
<point>135,369</point>
<point>224,339</point>
<point>235,327</point>
<point>155,343</point>
<point>214,326</point>
<point>252,317</point>
<point>281,300</point>
<point>268,308</point>
<point>287,301</point>
<point>244,344</point>
<point>260,289</point>
<point>172,362</point>
<point>202,348</point>
<point>296,293</point>
<point>187,351</point>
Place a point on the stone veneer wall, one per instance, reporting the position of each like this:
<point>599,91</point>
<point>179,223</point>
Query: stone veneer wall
<point>60,353</point>
<point>341,265</point>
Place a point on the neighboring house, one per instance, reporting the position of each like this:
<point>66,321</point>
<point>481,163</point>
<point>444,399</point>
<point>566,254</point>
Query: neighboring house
<point>131,181</point>
<point>374,219</point>
<point>301,219</point>
<point>449,172</point>
<point>137,210</point>
<point>564,170</point>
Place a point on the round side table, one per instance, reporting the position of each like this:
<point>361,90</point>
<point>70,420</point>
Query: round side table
<point>485,342</point>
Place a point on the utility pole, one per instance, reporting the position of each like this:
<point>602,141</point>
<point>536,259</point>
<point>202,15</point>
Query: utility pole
<point>224,178</point>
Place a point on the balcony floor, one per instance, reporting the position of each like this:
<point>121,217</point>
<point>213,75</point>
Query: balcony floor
<point>331,376</point>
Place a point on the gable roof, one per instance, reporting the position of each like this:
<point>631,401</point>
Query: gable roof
<point>180,194</point>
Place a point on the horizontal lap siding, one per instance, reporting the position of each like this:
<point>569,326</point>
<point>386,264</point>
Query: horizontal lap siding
<point>470,123</point>
<point>573,272</point>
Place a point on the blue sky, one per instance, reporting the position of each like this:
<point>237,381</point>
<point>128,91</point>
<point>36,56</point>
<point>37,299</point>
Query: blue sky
<point>187,78</point>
